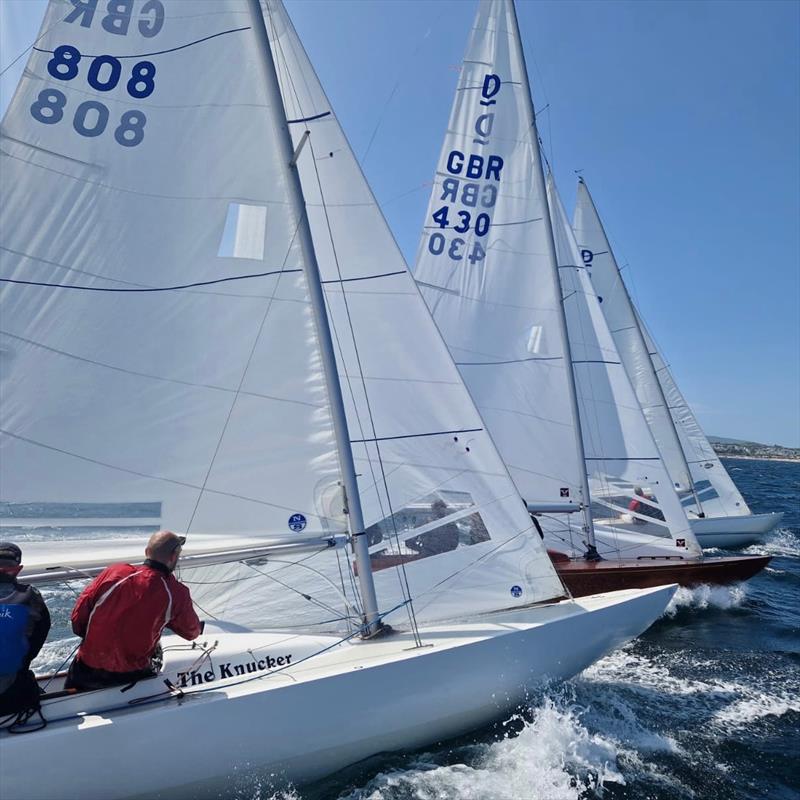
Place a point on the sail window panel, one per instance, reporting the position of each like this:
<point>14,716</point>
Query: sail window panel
<point>535,339</point>
<point>245,232</point>
<point>433,525</point>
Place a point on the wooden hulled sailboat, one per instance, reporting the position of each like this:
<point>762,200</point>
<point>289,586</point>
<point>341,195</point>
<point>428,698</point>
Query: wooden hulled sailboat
<point>207,324</point>
<point>717,511</point>
<point>500,270</point>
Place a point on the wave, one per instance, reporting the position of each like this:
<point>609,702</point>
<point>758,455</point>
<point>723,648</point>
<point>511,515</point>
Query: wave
<point>783,543</point>
<point>682,685</point>
<point>706,596</point>
<point>553,756</point>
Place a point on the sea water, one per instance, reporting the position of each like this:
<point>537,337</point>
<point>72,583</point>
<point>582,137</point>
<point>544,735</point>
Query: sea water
<point>706,704</point>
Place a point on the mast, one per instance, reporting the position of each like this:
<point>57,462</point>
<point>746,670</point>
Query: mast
<point>588,525</point>
<point>322,326</point>
<point>639,335</point>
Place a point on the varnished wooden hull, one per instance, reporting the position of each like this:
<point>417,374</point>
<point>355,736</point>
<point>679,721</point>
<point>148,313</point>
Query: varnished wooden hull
<point>584,578</point>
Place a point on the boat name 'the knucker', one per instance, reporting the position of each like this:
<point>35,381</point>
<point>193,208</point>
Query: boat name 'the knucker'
<point>228,669</point>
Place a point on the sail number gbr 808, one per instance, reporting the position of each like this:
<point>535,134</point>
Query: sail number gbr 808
<point>90,118</point>
<point>470,197</point>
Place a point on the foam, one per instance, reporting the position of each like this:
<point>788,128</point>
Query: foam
<point>727,704</point>
<point>781,542</point>
<point>705,596</point>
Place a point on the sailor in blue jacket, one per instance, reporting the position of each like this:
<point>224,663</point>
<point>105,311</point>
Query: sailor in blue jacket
<point>24,625</point>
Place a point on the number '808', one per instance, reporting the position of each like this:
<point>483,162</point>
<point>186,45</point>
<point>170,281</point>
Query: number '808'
<point>63,66</point>
<point>91,116</point>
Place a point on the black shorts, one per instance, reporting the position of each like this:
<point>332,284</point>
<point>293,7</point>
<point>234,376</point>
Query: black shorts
<point>85,678</point>
<point>22,695</point>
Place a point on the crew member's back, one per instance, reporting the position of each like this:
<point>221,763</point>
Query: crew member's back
<point>120,617</point>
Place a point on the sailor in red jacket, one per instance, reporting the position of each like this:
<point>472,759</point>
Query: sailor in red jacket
<point>120,616</point>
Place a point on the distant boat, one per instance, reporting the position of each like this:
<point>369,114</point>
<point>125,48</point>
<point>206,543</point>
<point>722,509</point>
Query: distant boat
<point>206,322</point>
<point>718,513</point>
<point>501,273</point>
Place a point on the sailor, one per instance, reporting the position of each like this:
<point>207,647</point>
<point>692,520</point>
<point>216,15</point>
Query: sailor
<point>120,616</point>
<point>24,625</point>
<point>637,506</point>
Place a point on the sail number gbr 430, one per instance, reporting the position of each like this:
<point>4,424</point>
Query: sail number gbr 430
<point>470,197</point>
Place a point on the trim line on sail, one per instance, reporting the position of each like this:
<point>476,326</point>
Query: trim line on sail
<point>365,277</point>
<point>308,119</point>
<point>595,361</point>
<point>626,458</point>
<point>151,288</point>
<point>414,435</point>
<point>162,52</point>
<point>510,361</point>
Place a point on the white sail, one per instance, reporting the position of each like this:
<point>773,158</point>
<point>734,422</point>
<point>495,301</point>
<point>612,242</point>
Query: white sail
<point>599,259</point>
<point>715,489</point>
<point>434,491</point>
<point>634,505</point>
<point>164,295</point>
<point>123,181</point>
<point>484,265</point>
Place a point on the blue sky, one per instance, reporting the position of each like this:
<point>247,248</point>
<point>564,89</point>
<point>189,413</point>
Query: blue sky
<point>684,116</point>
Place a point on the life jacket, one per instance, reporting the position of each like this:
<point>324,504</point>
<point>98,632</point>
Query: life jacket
<point>14,631</point>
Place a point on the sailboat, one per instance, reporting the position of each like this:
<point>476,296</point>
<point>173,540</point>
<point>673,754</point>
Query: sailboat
<point>208,326</point>
<point>718,513</point>
<point>499,268</point>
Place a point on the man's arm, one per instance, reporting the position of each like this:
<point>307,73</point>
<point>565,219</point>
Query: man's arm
<point>41,626</point>
<point>185,621</point>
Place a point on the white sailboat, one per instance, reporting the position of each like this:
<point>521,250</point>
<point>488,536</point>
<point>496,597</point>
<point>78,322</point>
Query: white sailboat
<point>207,324</point>
<point>718,513</point>
<point>500,270</point>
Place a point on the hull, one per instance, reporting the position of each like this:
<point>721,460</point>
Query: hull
<point>321,714</point>
<point>734,531</point>
<point>585,578</point>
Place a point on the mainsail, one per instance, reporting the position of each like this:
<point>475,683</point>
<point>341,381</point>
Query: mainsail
<point>704,485</point>
<point>715,489</point>
<point>621,316</point>
<point>158,344</point>
<point>622,458</point>
<point>485,265</point>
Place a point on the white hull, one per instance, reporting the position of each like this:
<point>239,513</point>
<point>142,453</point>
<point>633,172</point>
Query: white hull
<point>317,716</point>
<point>734,531</point>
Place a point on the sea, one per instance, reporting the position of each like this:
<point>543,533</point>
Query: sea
<point>705,704</point>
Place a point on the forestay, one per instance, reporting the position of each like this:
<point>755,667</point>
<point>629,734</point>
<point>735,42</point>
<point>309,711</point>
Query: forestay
<point>632,494</point>
<point>715,489</point>
<point>485,265</point>
<point>599,259</point>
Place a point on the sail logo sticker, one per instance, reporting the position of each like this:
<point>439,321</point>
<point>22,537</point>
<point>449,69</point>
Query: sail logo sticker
<point>297,522</point>
<point>516,590</point>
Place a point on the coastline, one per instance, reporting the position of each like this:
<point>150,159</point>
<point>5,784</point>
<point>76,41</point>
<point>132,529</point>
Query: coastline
<point>760,458</point>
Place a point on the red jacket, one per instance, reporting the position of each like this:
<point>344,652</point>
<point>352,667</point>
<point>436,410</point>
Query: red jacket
<point>120,616</point>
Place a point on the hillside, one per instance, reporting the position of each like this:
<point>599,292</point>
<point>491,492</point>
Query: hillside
<point>739,447</point>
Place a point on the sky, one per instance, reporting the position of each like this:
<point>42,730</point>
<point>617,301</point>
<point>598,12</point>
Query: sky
<point>684,118</point>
